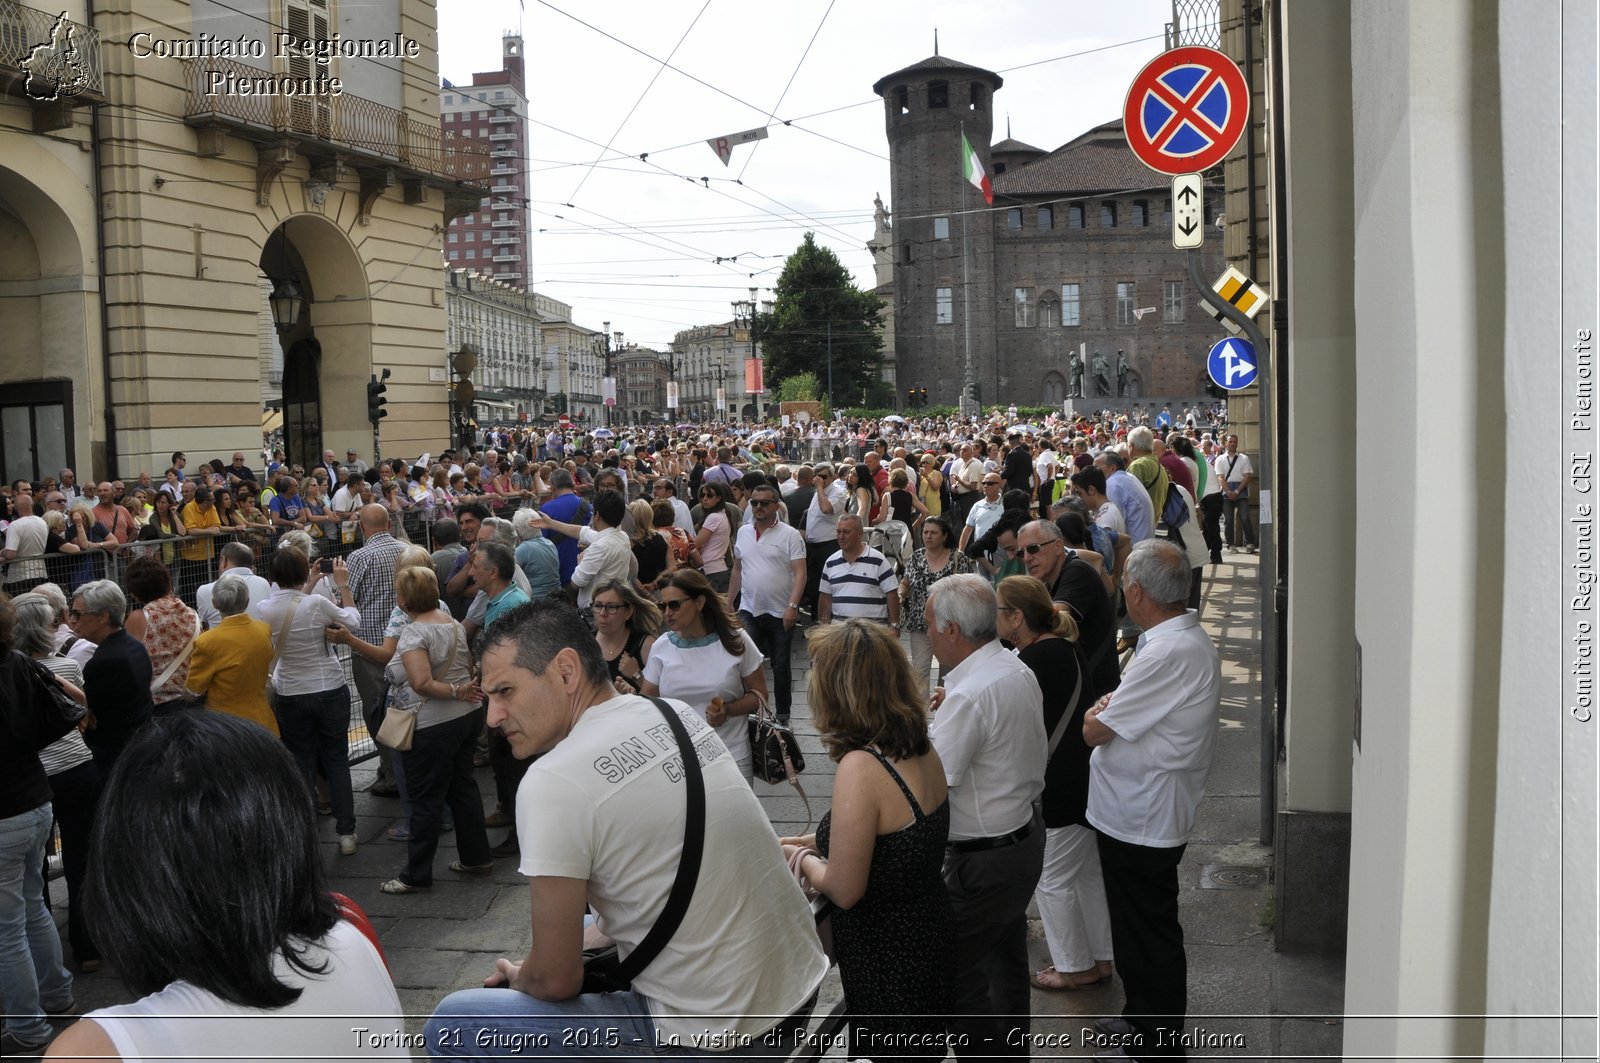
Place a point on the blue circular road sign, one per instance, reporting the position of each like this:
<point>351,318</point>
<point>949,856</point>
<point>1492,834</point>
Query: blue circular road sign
<point>1232,364</point>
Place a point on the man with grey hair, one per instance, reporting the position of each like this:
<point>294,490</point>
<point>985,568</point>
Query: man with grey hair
<point>68,642</point>
<point>1077,584</point>
<point>990,735</point>
<point>233,562</point>
<point>116,681</point>
<point>1153,739</point>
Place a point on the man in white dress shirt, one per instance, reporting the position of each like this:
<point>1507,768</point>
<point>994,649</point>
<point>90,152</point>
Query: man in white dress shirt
<point>989,732</point>
<point>1153,738</point>
<point>233,562</point>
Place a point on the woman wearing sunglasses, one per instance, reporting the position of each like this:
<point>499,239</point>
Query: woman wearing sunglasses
<point>707,661</point>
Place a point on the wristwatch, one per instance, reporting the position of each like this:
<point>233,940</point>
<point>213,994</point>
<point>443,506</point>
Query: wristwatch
<point>794,605</point>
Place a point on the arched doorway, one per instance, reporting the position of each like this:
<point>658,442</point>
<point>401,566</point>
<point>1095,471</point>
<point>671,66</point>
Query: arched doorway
<point>326,339</point>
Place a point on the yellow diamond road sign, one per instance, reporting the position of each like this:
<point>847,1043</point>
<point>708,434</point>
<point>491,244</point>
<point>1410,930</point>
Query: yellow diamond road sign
<point>1242,292</point>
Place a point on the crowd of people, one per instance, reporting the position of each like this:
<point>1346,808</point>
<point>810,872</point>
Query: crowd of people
<point>534,602</point>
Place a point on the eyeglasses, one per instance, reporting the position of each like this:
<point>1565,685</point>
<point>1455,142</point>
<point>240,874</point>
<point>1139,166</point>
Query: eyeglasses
<point>609,607</point>
<point>991,483</point>
<point>672,605</point>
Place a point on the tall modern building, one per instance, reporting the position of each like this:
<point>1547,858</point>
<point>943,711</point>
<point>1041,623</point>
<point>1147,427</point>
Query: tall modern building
<point>493,108</point>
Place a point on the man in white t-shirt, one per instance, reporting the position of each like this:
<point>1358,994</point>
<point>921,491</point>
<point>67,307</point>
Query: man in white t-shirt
<point>1235,474</point>
<point>1153,739</point>
<point>822,527</point>
<point>766,585</point>
<point>602,818</point>
<point>25,537</point>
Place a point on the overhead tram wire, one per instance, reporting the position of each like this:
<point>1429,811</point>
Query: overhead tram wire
<point>642,94</point>
<point>792,75</point>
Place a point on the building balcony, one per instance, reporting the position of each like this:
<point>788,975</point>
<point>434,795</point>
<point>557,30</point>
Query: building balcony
<point>508,258</point>
<point>502,240</point>
<point>501,171</point>
<point>502,224</point>
<point>502,136</point>
<point>50,62</point>
<point>502,119</point>
<point>502,189</point>
<point>333,129</point>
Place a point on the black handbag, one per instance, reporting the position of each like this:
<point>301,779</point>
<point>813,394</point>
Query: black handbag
<point>604,970</point>
<point>775,753</point>
<point>58,713</point>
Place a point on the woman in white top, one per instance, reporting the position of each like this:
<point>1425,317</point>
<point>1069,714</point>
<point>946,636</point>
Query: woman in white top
<point>310,698</point>
<point>707,661</point>
<point>431,672</point>
<point>712,541</point>
<point>205,929</point>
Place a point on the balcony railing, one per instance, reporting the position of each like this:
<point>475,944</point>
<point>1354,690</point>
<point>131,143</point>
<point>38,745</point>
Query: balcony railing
<point>67,67</point>
<point>360,125</point>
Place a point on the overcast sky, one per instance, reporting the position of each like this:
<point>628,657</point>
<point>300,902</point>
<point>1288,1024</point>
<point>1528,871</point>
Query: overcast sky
<point>636,246</point>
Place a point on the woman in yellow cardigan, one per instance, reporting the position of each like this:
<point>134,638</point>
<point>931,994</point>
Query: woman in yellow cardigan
<point>231,661</point>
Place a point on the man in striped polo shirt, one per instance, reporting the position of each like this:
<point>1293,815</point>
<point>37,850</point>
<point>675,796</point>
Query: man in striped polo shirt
<point>857,581</point>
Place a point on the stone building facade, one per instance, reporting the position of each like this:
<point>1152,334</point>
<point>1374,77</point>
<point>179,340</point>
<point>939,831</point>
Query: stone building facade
<point>143,207</point>
<point>1072,261</point>
<point>641,385</point>
<point>502,323</point>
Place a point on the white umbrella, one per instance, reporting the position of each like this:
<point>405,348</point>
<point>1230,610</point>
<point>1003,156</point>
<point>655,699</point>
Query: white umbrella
<point>895,417</point>
<point>603,433</point>
<point>1026,429</point>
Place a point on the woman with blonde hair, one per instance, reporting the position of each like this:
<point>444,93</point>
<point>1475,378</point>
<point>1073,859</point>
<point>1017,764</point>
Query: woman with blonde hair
<point>707,660</point>
<point>650,550</point>
<point>1071,893</point>
<point>878,853</point>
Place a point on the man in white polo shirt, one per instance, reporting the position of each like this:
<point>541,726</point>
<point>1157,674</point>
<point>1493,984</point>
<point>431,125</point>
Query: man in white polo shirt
<point>858,581</point>
<point>990,735</point>
<point>767,582</point>
<point>1153,739</point>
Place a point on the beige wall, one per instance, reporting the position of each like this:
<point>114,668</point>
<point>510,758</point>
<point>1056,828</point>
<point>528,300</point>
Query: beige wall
<point>184,326</point>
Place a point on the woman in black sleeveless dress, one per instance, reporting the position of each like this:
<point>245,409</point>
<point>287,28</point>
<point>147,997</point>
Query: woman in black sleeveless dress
<point>880,860</point>
<point>626,624</point>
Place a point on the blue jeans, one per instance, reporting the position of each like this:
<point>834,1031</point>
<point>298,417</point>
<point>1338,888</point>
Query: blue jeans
<point>31,974</point>
<point>506,1024</point>
<point>774,640</point>
<point>316,728</point>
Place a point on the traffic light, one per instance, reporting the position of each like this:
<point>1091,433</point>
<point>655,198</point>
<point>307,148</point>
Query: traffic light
<point>375,400</point>
<point>911,397</point>
<point>924,397</point>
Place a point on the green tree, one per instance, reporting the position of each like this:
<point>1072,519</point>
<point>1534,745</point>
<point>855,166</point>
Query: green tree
<point>818,308</point>
<point>800,387</point>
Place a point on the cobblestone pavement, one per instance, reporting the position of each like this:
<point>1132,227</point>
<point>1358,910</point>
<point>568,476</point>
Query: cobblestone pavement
<point>1245,1000</point>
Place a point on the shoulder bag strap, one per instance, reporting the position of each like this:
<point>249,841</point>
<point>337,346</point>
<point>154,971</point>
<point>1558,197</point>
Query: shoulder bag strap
<point>694,841</point>
<point>283,629</point>
<point>172,665</point>
<point>1066,715</point>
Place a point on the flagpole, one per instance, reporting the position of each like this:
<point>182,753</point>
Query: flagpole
<point>967,378</point>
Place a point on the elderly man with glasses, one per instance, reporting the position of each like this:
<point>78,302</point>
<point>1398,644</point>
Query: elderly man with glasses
<point>768,581</point>
<point>1078,585</point>
<point>982,515</point>
<point>116,681</point>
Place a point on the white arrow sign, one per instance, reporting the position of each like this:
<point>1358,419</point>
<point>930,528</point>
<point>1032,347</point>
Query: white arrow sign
<point>724,146</point>
<point>1188,211</point>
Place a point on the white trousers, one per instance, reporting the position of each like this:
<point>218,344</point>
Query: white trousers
<point>1072,900</point>
<point>919,647</point>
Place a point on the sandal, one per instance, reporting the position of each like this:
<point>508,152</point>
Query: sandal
<point>481,870</point>
<point>394,885</point>
<point>1054,981</point>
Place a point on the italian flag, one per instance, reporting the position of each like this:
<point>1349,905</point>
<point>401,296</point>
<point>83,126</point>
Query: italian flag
<point>972,170</point>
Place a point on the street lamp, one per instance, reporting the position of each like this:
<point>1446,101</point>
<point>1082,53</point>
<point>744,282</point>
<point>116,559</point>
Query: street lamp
<point>285,301</point>
<point>603,344</point>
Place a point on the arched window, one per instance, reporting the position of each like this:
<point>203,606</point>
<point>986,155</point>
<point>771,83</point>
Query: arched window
<point>975,97</point>
<point>1054,391</point>
<point>938,94</point>
<point>902,101</point>
<point>1049,311</point>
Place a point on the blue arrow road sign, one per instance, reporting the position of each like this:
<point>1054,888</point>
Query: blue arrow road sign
<point>1232,364</point>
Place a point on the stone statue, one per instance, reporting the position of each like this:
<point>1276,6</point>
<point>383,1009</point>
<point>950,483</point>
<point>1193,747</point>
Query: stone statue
<point>1102,374</point>
<point>1075,377</point>
<point>1122,374</point>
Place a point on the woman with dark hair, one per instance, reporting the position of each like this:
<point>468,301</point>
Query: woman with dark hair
<point>665,521</point>
<point>311,701</point>
<point>166,626</point>
<point>1071,893</point>
<point>863,493</point>
<point>164,523</point>
<point>707,661</point>
<point>202,927</point>
<point>626,625</point>
<point>715,540</point>
<point>879,853</point>
<point>935,559</point>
